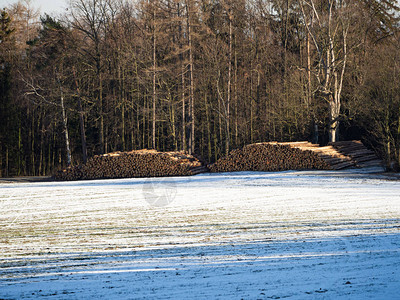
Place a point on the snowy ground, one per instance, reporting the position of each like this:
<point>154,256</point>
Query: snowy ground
<point>297,235</point>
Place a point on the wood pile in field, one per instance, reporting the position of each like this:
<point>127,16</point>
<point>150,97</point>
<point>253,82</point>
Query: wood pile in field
<point>138,163</point>
<point>332,156</point>
<point>274,156</point>
<point>342,155</point>
<point>358,153</point>
<point>269,157</point>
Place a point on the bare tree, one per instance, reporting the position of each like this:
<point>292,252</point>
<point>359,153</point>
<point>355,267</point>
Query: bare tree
<point>91,19</point>
<point>328,28</point>
<point>189,12</point>
<point>154,76</point>
<point>38,95</point>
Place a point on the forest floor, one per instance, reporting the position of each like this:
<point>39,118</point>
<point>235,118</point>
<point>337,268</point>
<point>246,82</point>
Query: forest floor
<point>244,235</point>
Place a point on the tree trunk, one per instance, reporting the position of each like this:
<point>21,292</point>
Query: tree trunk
<point>334,109</point>
<point>83,134</point>
<point>101,112</point>
<point>81,120</point>
<point>6,161</point>
<point>65,125</point>
<point>191,93</point>
<point>122,96</point>
<point>41,155</point>
<point>308,72</point>
<point>236,98</point>
<point>32,132</point>
<point>209,153</point>
<point>183,73</point>
<point>172,121</point>
<point>251,109</point>
<point>123,126</point>
<point>183,110</point>
<point>154,78</point>
<point>228,100</point>
<point>335,103</point>
<point>49,169</point>
<point>19,149</point>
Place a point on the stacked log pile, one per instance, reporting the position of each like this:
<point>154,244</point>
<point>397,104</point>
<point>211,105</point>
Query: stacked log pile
<point>332,156</point>
<point>140,163</point>
<point>269,157</point>
<point>272,156</point>
<point>342,155</point>
<point>358,153</point>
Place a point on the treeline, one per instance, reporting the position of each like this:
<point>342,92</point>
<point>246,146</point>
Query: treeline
<point>206,76</point>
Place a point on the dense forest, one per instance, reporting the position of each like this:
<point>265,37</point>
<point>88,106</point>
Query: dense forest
<point>205,76</point>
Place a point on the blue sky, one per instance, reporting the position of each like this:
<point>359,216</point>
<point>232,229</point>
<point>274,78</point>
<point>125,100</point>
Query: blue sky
<point>48,6</point>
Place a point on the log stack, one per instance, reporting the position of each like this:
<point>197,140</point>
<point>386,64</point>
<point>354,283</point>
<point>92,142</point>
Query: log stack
<point>269,157</point>
<point>331,155</point>
<point>139,163</point>
<point>358,153</point>
<point>343,154</point>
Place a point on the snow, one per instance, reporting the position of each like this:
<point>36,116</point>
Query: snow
<point>245,235</point>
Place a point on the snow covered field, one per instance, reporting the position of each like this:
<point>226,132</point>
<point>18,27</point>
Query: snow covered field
<point>319,234</point>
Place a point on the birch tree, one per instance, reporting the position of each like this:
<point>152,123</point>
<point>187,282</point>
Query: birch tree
<point>328,25</point>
